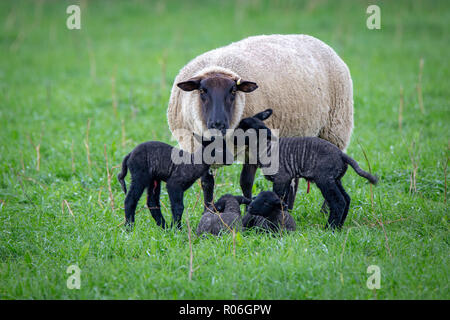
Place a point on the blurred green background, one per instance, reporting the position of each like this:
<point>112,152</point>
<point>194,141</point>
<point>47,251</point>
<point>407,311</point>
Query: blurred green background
<point>66,95</point>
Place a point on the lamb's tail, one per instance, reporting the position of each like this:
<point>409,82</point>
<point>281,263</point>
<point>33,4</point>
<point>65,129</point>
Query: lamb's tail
<point>372,179</point>
<point>123,173</point>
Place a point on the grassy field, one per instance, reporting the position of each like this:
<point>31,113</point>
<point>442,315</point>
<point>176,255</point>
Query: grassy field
<point>66,96</point>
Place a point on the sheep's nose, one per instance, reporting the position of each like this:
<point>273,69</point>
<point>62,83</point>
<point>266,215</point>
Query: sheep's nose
<point>219,125</point>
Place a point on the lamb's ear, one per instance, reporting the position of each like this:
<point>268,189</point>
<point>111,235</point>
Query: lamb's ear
<point>246,86</point>
<point>189,85</point>
<point>277,202</point>
<point>219,206</point>
<point>243,200</point>
<point>263,115</point>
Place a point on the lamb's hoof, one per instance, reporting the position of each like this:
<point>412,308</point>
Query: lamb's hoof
<point>129,226</point>
<point>176,226</point>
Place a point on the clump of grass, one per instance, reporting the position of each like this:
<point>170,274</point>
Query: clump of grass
<point>37,148</point>
<point>113,95</point>
<point>68,207</point>
<point>108,177</point>
<point>124,137</point>
<point>86,144</point>
<point>419,87</point>
<point>72,157</point>
<point>400,109</point>
<point>414,157</point>
<point>445,166</point>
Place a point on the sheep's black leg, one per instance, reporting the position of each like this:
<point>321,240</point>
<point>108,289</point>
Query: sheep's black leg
<point>292,194</point>
<point>335,200</point>
<point>207,181</point>
<point>282,190</point>
<point>176,203</point>
<point>347,202</point>
<point>131,201</point>
<point>153,194</point>
<point>247,178</point>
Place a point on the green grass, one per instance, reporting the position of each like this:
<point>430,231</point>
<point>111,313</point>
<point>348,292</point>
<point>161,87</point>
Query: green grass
<point>52,80</point>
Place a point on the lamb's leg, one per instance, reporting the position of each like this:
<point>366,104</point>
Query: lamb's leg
<point>207,181</point>
<point>325,209</point>
<point>153,194</point>
<point>335,200</point>
<point>282,190</point>
<point>131,201</point>
<point>292,193</point>
<point>176,203</point>
<point>247,178</point>
<point>347,200</point>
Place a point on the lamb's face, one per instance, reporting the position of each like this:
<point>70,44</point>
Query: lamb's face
<point>217,97</point>
<point>264,204</point>
<point>229,200</point>
<point>255,123</point>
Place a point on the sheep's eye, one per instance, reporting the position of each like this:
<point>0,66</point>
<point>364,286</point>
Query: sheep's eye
<point>233,91</point>
<point>202,91</point>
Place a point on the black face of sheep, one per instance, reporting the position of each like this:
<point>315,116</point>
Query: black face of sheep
<point>255,123</point>
<point>221,203</point>
<point>265,204</point>
<point>217,95</point>
<point>265,212</point>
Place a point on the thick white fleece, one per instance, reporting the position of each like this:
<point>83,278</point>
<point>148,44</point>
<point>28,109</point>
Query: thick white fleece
<point>301,78</point>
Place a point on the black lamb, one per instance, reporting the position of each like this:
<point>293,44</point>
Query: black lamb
<point>226,216</point>
<point>313,159</point>
<point>266,212</point>
<point>149,164</point>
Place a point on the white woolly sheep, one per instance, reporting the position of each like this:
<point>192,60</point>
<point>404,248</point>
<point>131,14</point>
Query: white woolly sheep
<point>301,78</point>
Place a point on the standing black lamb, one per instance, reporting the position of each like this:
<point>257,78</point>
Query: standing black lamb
<point>266,212</point>
<point>228,215</point>
<point>149,164</point>
<point>314,159</point>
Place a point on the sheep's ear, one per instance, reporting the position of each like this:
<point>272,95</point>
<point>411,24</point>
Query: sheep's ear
<point>197,137</point>
<point>243,200</point>
<point>189,85</point>
<point>263,115</point>
<point>246,86</point>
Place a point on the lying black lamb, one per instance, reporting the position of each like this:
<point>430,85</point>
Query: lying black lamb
<point>149,164</point>
<point>226,216</point>
<point>265,212</point>
<point>314,159</point>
